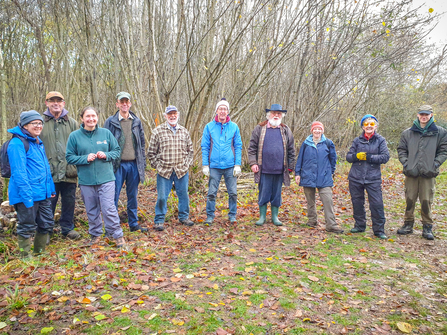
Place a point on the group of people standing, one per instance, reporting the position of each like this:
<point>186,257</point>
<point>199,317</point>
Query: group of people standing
<point>50,154</point>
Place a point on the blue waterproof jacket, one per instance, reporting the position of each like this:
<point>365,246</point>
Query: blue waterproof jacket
<point>30,171</point>
<point>316,163</point>
<point>221,145</point>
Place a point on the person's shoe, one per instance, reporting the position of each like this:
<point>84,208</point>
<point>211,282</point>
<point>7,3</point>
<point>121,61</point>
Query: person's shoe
<point>49,237</point>
<point>233,221</point>
<point>335,230</point>
<point>426,231</point>
<point>406,229</point>
<point>138,228</point>
<point>24,246</point>
<point>95,239</point>
<point>382,236</point>
<point>73,235</point>
<point>120,242</point>
<point>208,221</point>
<point>275,219</point>
<point>356,230</point>
<point>187,222</point>
<point>312,224</point>
<point>262,215</point>
<point>40,243</point>
<point>159,226</point>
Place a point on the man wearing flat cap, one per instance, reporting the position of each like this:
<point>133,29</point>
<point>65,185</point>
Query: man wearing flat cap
<point>31,185</point>
<point>128,131</point>
<point>271,155</point>
<point>171,154</point>
<point>58,125</point>
<point>422,150</point>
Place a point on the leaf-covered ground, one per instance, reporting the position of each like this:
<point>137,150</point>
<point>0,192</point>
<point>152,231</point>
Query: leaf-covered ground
<point>239,279</point>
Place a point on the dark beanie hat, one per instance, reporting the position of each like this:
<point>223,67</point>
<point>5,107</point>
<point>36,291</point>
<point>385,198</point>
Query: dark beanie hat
<point>29,116</point>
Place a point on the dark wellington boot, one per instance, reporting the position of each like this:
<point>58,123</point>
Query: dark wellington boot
<point>40,243</point>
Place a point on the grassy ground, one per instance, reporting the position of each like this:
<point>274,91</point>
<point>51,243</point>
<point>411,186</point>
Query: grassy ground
<point>238,279</point>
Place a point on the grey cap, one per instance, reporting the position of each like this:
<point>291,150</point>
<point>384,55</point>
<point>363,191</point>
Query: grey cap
<point>122,95</point>
<point>29,116</point>
<point>425,109</point>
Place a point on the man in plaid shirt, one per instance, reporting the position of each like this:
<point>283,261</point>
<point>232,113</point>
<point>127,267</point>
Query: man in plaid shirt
<point>171,154</point>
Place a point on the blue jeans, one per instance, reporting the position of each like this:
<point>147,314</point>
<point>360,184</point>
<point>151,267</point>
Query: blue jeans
<point>128,172</point>
<point>213,186</point>
<point>164,187</point>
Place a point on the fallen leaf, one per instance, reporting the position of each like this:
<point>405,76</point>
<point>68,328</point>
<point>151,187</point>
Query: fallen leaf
<point>100,317</point>
<point>252,250</point>
<point>313,278</point>
<point>177,322</point>
<point>220,331</point>
<point>125,310</point>
<point>106,297</point>
<point>189,276</point>
<point>3,325</point>
<point>199,309</point>
<point>175,279</point>
<point>298,313</point>
<point>215,286</point>
<point>404,327</point>
<point>84,301</point>
<point>150,317</point>
<point>46,330</point>
<point>177,270</point>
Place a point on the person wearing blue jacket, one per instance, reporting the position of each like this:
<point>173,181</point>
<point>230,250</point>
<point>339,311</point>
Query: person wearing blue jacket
<point>221,156</point>
<point>31,184</point>
<point>314,169</point>
<point>367,153</point>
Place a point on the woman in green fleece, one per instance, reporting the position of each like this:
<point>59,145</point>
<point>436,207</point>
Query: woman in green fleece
<point>92,150</point>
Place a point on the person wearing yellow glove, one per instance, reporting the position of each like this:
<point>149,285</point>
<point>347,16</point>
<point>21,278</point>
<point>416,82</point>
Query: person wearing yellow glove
<point>367,153</point>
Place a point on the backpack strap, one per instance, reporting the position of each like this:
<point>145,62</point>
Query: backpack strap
<point>24,141</point>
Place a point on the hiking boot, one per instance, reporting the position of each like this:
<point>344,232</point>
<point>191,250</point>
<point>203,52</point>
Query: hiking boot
<point>335,230</point>
<point>275,219</point>
<point>356,230</point>
<point>159,226</point>
<point>120,242</point>
<point>233,221</point>
<point>187,222</point>
<point>73,235</point>
<point>406,229</point>
<point>262,215</point>
<point>426,231</point>
<point>24,246</point>
<point>312,224</point>
<point>208,222</point>
<point>95,240</point>
<point>138,228</point>
<point>382,236</point>
<point>40,243</point>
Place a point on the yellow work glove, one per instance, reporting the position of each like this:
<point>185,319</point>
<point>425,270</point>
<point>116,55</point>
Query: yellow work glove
<point>361,156</point>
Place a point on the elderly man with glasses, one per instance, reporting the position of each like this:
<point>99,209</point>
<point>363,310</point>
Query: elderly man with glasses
<point>58,125</point>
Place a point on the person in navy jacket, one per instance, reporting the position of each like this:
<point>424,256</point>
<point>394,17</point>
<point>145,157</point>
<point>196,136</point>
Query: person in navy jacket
<point>221,156</point>
<point>367,153</point>
<point>31,184</point>
<point>314,169</point>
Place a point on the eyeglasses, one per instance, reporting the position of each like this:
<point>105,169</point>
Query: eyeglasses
<point>55,100</point>
<point>371,123</point>
<point>36,124</point>
<point>222,109</point>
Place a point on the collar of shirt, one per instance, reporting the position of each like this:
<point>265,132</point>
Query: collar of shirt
<point>174,129</point>
<point>120,117</point>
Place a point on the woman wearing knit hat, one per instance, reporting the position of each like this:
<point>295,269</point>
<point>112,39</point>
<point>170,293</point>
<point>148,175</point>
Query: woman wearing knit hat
<point>314,169</point>
<point>367,153</point>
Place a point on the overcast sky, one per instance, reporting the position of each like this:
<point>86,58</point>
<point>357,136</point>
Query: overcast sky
<point>439,34</point>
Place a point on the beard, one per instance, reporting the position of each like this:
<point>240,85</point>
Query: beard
<point>275,123</point>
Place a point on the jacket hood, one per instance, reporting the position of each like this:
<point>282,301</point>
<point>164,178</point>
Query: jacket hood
<point>309,140</point>
<point>63,114</point>
<point>19,131</point>
<point>431,128</point>
<point>226,121</point>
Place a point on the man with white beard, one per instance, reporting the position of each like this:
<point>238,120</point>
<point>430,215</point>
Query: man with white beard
<point>271,155</point>
<point>171,154</point>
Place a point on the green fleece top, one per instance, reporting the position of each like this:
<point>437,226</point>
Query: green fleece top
<point>81,143</point>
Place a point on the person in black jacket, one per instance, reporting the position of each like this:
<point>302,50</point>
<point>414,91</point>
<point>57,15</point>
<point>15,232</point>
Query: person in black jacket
<point>422,150</point>
<point>128,131</point>
<point>367,153</point>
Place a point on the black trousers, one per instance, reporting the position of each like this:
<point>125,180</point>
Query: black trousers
<point>67,191</point>
<point>37,218</point>
<point>374,191</point>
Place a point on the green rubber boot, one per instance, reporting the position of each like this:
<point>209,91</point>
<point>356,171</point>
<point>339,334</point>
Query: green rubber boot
<point>275,220</point>
<point>262,215</point>
<point>40,243</point>
<point>24,246</point>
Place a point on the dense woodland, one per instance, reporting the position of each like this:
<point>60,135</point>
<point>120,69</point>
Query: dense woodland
<point>332,61</point>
